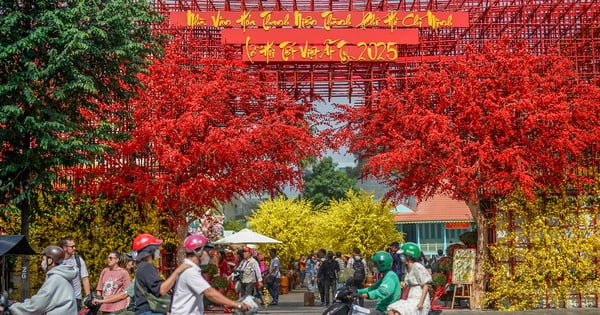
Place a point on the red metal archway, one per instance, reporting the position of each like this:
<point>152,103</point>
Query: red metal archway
<point>573,26</point>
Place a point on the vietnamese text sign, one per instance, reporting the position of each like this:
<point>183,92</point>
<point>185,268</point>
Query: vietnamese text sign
<point>327,20</point>
<point>463,266</point>
<point>237,36</point>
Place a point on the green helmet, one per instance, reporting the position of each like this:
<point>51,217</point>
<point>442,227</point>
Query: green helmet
<point>383,261</point>
<point>412,250</point>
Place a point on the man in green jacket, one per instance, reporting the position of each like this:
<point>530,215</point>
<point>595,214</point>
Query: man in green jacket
<point>387,289</point>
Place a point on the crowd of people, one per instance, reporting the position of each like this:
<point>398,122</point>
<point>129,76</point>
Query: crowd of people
<point>401,273</point>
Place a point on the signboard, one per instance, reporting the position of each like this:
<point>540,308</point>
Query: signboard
<point>463,266</point>
<point>458,225</point>
<point>326,20</point>
<point>328,36</point>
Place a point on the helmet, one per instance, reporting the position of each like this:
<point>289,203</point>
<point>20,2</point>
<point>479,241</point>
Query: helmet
<point>382,260</point>
<point>54,252</point>
<point>143,240</point>
<point>193,242</point>
<point>132,255</point>
<point>412,250</point>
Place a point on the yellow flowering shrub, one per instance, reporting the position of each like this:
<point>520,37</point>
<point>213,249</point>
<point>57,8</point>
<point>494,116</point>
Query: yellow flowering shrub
<point>547,249</point>
<point>289,221</point>
<point>357,221</point>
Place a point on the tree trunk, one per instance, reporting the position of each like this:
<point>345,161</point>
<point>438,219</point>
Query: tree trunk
<point>480,279</point>
<point>182,233</point>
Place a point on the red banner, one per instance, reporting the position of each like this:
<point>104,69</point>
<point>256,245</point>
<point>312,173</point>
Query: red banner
<point>326,20</point>
<point>330,51</point>
<point>256,36</point>
<point>458,225</point>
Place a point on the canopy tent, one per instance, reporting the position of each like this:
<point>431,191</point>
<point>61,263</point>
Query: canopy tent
<point>15,245</point>
<point>247,236</point>
<point>11,245</point>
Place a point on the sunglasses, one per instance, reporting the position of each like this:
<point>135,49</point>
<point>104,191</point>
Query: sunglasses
<point>112,258</point>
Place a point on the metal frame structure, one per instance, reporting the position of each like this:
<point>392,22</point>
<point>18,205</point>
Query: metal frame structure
<point>571,25</point>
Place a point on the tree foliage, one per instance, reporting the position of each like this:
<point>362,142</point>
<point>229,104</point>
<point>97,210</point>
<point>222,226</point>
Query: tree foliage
<point>548,248</point>
<point>325,183</point>
<point>64,65</point>
<point>478,127</point>
<point>204,131</point>
<point>290,221</point>
<point>354,221</point>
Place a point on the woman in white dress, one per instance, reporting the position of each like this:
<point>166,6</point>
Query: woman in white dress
<point>418,279</point>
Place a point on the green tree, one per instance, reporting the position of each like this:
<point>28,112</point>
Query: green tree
<point>234,225</point>
<point>66,67</point>
<point>326,183</point>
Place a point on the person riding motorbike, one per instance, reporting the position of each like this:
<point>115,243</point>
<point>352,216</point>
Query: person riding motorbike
<point>387,289</point>
<point>418,279</point>
<point>56,296</point>
<point>147,276</point>
<point>192,287</point>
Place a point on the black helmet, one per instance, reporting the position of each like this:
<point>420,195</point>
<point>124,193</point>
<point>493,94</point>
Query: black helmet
<point>54,252</point>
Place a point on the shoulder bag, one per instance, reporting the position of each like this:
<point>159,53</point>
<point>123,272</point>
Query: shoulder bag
<point>157,304</point>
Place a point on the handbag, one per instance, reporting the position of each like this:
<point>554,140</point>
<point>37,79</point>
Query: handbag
<point>157,304</point>
<point>268,280</point>
<point>404,294</point>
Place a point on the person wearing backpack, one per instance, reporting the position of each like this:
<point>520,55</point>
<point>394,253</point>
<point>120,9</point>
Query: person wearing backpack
<point>360,272</point>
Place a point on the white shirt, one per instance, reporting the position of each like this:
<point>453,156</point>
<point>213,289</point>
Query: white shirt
<point>189,291</point>
<point>82,273</point>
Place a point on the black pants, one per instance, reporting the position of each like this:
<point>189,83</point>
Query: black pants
<point>328,286</point>
<point>78,301</point>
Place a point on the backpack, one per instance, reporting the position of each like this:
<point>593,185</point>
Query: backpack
<point>359,270</point>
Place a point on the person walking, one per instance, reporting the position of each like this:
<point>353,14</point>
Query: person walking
<point>56,296</point>
<point>82,280</point>
<point>360,272</point>
<point>251,274</point>
<point>327,276</point>
<point>147,277</point>
<point>310,277</point>
<point>112,283</point>
<point>191,287</point>
<point>275,273</point>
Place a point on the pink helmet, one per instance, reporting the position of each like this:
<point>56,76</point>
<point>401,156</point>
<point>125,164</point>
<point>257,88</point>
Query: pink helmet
<point>193,242</point>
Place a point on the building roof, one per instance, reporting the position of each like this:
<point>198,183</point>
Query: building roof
<point>437,209</point>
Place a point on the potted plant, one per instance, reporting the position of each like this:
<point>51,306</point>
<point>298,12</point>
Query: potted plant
<point>438,279</point>
<point>208,271</point>
<point>220,283</point>
<point>445,264</point>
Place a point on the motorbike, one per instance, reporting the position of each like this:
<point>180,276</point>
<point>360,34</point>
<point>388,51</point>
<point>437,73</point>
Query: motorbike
<point>345,303</point>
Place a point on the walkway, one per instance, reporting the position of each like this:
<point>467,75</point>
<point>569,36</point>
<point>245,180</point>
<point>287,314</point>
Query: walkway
<point>293,303</point>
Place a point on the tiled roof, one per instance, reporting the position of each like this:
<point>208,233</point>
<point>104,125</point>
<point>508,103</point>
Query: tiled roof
<point>439,208</point>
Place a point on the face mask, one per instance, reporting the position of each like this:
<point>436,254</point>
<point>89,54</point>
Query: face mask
<point>205,259</point>
<point>156,254</point>
<point>45,264</point>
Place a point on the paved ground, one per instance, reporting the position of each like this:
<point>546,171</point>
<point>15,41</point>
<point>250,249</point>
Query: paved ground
<point>293,303</point>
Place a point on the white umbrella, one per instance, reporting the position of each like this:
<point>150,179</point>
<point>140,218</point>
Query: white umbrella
<point>247,236</point>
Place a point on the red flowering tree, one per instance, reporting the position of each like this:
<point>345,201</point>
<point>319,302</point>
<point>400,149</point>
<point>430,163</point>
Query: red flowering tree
<point>477,127</point>
<point>204,131</point>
